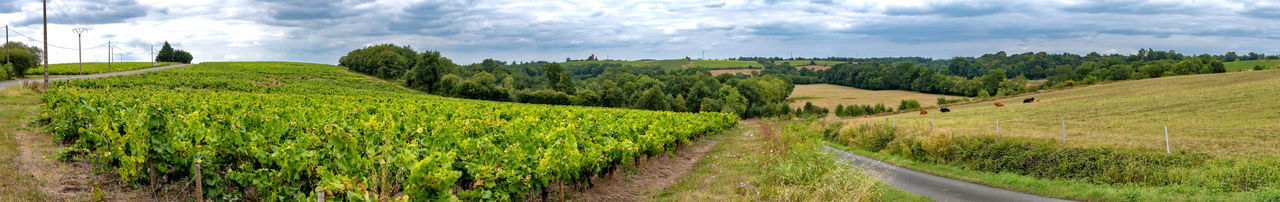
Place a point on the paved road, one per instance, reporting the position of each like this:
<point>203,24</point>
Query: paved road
<point>932,186</point>
<point>40,78</point>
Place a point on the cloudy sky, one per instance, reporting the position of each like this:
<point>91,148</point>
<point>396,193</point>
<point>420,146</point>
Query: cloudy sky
<point>469,31</point>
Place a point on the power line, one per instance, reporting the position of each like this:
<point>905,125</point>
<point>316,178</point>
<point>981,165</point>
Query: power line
<point>55,46</point>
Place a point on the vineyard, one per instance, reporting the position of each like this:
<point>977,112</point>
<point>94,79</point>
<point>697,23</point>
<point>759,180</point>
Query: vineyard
<point>287,131</point>
<point>92,67</point>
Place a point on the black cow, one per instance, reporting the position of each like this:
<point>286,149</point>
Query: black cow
<point>945,110</point>
<point>1029,100</point>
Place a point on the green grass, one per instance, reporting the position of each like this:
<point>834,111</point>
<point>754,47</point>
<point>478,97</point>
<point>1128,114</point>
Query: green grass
<point>725,64</point>
<point>16,106</point>
<point>91,68</point>
<point>1061,188</point>
<point>1248,64</point>
<point>806,62</point>
<point>771,160</point>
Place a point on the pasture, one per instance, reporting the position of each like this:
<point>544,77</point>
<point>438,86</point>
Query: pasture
<point>1225,114</point>
<point>1248,65</point>
<point>827,95</point>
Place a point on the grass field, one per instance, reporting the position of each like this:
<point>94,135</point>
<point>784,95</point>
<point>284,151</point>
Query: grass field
<point>1230,114</point>
<point>1248,65</point>
<point>732,71</point>
<point>92,67</point>
<point>771,160</point>
<point>676,63</point>
<point>16,106</point>
<point>827,95</point>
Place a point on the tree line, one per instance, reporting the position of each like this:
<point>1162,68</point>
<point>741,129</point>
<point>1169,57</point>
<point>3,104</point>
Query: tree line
<point>20,58</point>
<point>603,85</point>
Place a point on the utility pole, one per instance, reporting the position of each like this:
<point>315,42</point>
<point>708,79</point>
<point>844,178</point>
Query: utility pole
<point>45,6</point>
<point>108,56</point>
<point>80,46</point>
<point>6,44</point>
<point>153,55</point>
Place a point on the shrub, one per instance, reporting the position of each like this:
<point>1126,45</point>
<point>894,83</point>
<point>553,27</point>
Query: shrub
<point>908,105</point>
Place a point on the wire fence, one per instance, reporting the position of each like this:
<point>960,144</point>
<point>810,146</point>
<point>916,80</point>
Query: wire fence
<point>1149,134</point>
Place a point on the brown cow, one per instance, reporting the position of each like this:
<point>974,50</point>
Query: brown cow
<point>866,116</point>
<point>999,104</point>
<point>923,112</point>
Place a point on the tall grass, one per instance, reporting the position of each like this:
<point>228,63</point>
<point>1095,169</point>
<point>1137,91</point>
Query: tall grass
<point>1047,159</point>
<point>799,170</point>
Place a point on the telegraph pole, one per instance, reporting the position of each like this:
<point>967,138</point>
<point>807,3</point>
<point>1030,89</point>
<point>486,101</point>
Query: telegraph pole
<point>80,46</point>
<point>45,6</point>
<point>153,55</point>
<point>6,44</point>
<point>108,56</point>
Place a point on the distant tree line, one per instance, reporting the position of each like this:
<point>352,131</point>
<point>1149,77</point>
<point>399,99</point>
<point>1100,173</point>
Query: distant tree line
<point>168,54</point>
<point>604,85</point>
<point>996,74</point>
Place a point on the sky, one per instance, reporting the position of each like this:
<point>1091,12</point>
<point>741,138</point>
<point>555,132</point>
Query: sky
<point>469,31</point>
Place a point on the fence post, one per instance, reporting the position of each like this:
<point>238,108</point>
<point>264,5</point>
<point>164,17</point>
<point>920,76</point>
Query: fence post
<point>1166,141</point>
<point>931,124</point>
<point>895,123</point>
<point>997,126</point>
<point>319,195</point>
<point>1064,132</point>
<point>199,183</point>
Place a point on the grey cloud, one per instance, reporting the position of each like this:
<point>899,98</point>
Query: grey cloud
<point>1135,7</point>
<point>11,6</point>
<point>308,9</point>
<point>951,9</point>
<point>91,12</point>
<point>1267,12</point>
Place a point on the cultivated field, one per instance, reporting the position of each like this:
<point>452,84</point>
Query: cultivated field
<point>814,67</point>
<point>732,71</point>
<point>827,95</point>
<point>806,62</point>
<point>676,63</point>
<point>1248,65</point>
<point>92,67</point>
<point>1226,114</point>
<point>289,130</point>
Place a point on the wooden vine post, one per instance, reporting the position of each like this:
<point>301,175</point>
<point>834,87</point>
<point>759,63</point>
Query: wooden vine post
<point>199,183</point>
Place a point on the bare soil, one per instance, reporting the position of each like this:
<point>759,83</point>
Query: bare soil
<point>651,175</point>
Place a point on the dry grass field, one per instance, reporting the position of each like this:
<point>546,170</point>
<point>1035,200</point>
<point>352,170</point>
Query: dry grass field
<point>827,95</point>
<point>1231,114</point>
<point>732,71</point>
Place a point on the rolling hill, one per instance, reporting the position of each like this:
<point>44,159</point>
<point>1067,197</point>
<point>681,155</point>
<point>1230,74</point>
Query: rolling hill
<point>1226,114</point>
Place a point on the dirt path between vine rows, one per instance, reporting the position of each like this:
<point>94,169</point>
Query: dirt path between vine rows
<point>650,176</point>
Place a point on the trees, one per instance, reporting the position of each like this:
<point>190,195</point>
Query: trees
<point>428,67</point>
<point>168,54</point>
<point>385,61</point>
<point>22,57</point>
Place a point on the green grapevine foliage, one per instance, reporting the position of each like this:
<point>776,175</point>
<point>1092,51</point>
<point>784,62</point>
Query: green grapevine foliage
<point>283,131</point>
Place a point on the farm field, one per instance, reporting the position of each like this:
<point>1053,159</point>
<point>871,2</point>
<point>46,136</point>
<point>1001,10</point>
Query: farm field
<point>732,71</point>
<point>1230,114</point>
<point>92,67</point>
<point>806,62</point>
<point>1248,65</point>
<point>287,130</point>
<point>828,95</point>
<point>676,63</point>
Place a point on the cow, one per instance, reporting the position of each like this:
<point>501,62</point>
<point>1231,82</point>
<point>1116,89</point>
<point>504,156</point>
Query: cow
<point>866,116</point>
<point>1029,100</point>
<point>999,104</point>
<point>923,112</point>
<point>945,110</point>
